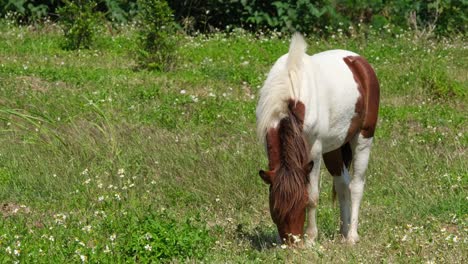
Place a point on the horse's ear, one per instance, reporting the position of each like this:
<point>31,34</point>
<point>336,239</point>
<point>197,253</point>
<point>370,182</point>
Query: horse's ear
<point>309,166</point>
<point>267,176</point>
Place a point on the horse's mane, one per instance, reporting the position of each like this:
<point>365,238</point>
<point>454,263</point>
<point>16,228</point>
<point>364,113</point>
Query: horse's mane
<point>289,188</point>
<point>283,82</point>
<point>279,98</point>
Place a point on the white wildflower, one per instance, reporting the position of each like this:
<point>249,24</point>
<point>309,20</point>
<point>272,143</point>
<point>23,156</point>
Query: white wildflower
<point>148,247</point>
<point>296,239</point>
<point>106,249</point>
<point>148,236</point>
<point>86,228</point>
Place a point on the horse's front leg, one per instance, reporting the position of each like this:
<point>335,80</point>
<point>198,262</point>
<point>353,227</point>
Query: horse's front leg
<point>313,191</point>
<point>361,151</point>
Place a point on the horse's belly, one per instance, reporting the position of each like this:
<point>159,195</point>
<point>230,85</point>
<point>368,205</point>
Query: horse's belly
<point>333,141</point>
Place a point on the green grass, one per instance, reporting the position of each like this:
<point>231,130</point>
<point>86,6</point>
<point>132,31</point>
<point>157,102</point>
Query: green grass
<point>102,162</point>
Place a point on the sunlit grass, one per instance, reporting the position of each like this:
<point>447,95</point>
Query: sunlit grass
<point>92,150</point>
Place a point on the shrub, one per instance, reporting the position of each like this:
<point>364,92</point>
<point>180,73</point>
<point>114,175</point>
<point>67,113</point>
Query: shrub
<point>79,22</point>
<point>157,40</point>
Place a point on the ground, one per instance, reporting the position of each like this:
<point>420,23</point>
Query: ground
<point>102,162</point>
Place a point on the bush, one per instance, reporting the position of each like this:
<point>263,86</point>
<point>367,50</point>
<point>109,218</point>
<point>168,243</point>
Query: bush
<point>79,22</point>
<point>441,17</point>
<point>157,40</point>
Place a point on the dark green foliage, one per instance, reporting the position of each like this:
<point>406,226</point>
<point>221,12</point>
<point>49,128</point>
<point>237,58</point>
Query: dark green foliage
<point>447,16</point>
<point>293,15</point>
<point>453,16</point>
<point>79,22</point>
<point>158,237</point>
<point>206,15</point>
<point>120,11</point>
<point>440,16</point>
<point>157,42</point>
<point>27,11</point>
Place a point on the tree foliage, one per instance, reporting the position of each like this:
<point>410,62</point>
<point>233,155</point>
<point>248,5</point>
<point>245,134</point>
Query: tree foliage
<point>439,16</point>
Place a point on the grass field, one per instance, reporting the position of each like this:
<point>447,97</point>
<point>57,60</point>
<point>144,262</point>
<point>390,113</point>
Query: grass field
<point>102,163</point>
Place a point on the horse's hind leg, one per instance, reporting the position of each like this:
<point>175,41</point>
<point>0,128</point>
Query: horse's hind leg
<point>361,150</point>
<point>341,185</point>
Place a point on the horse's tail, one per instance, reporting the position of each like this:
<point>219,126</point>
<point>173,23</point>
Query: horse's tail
<point>283,84</point>
<point>294,63</point>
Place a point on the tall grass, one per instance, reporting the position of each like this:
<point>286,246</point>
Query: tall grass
<point>93,152</point>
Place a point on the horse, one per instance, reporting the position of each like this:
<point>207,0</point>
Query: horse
<point>314,108</point>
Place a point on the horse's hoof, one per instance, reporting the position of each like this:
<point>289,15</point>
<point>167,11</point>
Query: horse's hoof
<point>352,239</point>
<point>309,238</point>
<point>310,243</point>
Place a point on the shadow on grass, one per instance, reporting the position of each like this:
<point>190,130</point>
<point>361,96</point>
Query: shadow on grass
<point>260,238</point>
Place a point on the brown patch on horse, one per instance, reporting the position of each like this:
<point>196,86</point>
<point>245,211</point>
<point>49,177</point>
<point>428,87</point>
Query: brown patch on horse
<point>336,160</point>
<point>273,148</point>
<point>367,105</point>
<point>297,108</point>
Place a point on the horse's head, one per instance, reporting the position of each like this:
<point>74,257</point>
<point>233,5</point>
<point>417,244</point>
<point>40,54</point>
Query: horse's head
<point>288,201</point>
<point>288,175</point>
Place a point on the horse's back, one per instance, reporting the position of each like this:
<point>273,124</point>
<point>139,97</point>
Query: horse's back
<point>339,97</point>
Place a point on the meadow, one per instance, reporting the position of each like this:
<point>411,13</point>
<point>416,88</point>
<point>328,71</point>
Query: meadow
<point>103,163</point>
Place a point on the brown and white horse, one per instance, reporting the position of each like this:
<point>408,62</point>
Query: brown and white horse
<point>311,108</point>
